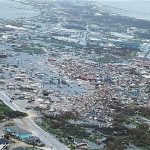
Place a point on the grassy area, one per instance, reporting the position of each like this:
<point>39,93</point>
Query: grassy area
<point>7,113</point>
<point>66,132</point>
<point>117,137</point>
<point>121,136</point>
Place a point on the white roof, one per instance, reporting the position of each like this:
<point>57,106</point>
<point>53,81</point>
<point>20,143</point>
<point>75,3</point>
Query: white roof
<point>146,76</point>
<point>1,146</point>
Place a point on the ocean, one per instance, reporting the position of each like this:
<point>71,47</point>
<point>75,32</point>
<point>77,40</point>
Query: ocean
<point>134,8</point>
<point>10,9</point>
<point>139,9</point>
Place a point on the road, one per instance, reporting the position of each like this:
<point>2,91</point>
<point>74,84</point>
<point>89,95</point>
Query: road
<point>50,142</point>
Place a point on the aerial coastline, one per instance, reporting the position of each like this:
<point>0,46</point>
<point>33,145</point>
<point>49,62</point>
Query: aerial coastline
<point>77,72</point>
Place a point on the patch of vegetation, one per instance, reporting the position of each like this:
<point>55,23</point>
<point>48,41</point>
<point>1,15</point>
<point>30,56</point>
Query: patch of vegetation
<point>119,136</point>
<point>95,136</point>
<point>140,136</point>
<point>67,132</point>
<point>7,113</point>
<point>63,43</point>
<point>145,112</point>
<point>64,130</point>
<point>115,143</point>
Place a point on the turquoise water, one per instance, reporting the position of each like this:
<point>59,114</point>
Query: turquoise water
<point>11,10</point>
<point>24,136</point>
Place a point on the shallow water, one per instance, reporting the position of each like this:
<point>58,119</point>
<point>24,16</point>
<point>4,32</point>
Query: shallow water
<point>133,8</point>
<point>11,10</point>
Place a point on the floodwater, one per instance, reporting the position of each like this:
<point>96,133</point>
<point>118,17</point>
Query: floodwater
<point>37,64</point>
<point>10,9</point>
